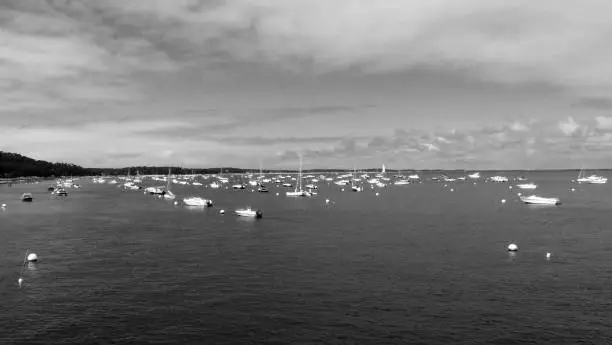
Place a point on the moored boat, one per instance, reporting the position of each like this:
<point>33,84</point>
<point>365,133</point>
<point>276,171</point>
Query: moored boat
<point>27,197</point>
<point>538,200</point>
<point>248,212</point>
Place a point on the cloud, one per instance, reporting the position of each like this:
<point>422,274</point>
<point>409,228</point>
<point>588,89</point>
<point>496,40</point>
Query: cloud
<point>552,42</point>
<point>603,123</point>
<point>569,127</point>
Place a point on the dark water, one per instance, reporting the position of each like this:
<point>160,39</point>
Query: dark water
<point>418,264</point>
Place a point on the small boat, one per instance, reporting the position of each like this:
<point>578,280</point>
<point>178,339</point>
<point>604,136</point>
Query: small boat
<point>262,189</point>
<point>538,200</point>
<point>51,189</point>
<point>401,182</point>
<point>527,186</point>
<point>26,197</point>
<point>356,188</point>
<point>59,191</point>
<point>474,176</point>
<point>197,201</point>
<point>239,186</point>
<point>248,212</point>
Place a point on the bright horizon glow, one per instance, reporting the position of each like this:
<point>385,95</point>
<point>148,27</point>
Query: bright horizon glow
<point>474,85</point>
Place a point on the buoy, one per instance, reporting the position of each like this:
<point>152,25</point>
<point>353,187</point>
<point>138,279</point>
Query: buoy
<point>509,187</point>
<point>512,247</point>
<point>276,194</point>
<point>20,280</point>
<point>377,194</point>
<point>176,202</point>
<point>445,185</point>
<point>327,201</point>
<point>32,257</point>
<point>342,189</point>
<point>573,190</point>
<point>3,205</point>
<point>548,255</point>
<point>452,189</point>
<point>222,211</point>
<point>503,201</point>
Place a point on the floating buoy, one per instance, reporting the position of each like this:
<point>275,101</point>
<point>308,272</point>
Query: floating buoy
<point>503,201</point>
<point>512,247</point>
<point>32,257</point>
<point>509,187</point>
<point>452,190</point>
<point>445,185</point>
<point>573,189</point>
<point>276,194</point>
<point>519,194</point>
<point>20,280</point>
<point>176,203</point>
<point>377,194</point>
<point>222,211</point>
<point>327,201</point>
<point>342,189</point>
<point>548,255</point>
<point>3,205</point>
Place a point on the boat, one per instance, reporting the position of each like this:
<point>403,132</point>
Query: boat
<point>262,189</point>
<point>593,179</point>
<point>197,201</point>
<point>401,182</point>
<point>239,186</point>
<point>499,179</point>
<point>51,189</point>
<point>59,191</point>
<point>474,176</point>
<point>248,212</point>
<point>299,192</point>
<point>215,185</point>
<point>527,186</point>
<point>167,194</point>
<point>27,197</point>
<point>538,200</point>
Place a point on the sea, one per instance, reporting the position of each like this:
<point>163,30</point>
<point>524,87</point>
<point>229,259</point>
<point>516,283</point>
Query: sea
<point>424,263</point>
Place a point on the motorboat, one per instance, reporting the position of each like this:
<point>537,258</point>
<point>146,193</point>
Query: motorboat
<point>262,189</point>
<point>499,179</point>
<point>197,201</point>
<point>401,182</point>
<point>474,176</point>
<point>248,212</point>
<point>154,190</point>
<point>527,186</point>
<point>59,191</point>
<point>27,197</point>
<point>239,186</point>
<point>355,188</point>
<point>538,200</point>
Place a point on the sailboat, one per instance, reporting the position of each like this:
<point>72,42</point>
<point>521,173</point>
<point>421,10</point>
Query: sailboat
<point>168,193</point>
<point>298,188</point>
<point>592,179</point>
<point>354,187</point>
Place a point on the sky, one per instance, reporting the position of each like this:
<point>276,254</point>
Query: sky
<point>438,84</point>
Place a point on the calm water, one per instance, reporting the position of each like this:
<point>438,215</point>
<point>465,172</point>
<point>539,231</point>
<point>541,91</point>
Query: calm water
<point>417,264</point>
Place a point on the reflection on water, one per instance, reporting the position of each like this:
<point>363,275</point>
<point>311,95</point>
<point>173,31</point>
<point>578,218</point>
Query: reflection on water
<point>32,266</point>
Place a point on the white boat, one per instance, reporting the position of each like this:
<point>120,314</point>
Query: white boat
<point>527,186</point>
<point>413,177</point>
<point>401,182</point>
<point>355,188</point>
<point>197,201</point>
<point>215,185</point>
<point>154,190</point>
<point>593,179</point>
<point>239,186</point>
<point>499,179</point>
<point>248,212</point>
<point>299,192</point>
<point>341,182</point>
<point>538,200</point>
<point>196,184</point>
<point>474,176</point>
<point>167,194</point>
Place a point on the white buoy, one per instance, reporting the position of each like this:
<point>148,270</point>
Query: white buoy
<point>512,247</point>
<point>342,189</point>
<point>3,205</point>
<point>377,194</point>
<point>276,194</point>
<point>503,201</point>
<point>445,185</point>
<point>176,203</point>
<point>32,257</point>
<point>20,280</point>
<point>327,201</point>
<point>509,187</point>
<point>519,194</point>
<point>452,190</point>
<point>573,189</point>
<point>548,255</point>
<point>222,211</point>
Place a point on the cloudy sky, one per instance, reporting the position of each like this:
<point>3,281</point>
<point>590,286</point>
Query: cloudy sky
<point>471,84</point>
